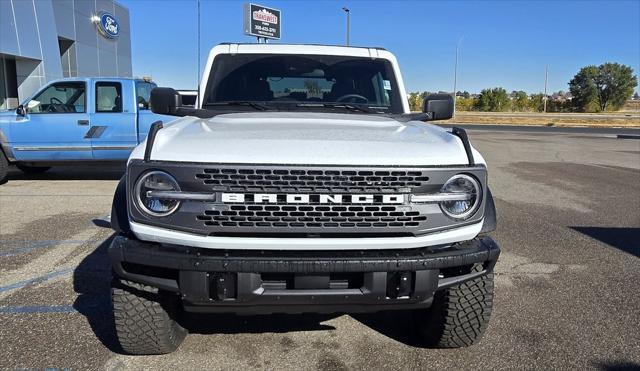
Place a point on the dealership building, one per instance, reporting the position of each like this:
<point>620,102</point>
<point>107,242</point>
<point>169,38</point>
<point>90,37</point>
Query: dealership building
<point>43,40</point>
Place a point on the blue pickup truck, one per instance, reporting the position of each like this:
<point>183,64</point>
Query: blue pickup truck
<point>75,120</point>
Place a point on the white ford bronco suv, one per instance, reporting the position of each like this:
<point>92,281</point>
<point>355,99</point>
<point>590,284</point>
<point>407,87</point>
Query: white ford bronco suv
<point>301,182</point>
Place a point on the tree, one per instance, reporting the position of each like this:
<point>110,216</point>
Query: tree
<point>494,100</point>
<point>415,101</point>
<point>558,106</point>
<point>520,101</point>
<point>602,88</point>
<point>424,95</point>
<point>536,102</point>
<point>465,104</point>
<point>583,89</point>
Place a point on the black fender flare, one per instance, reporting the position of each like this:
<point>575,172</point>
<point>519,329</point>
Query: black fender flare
<point>119,214</point>
<point>490,219</point>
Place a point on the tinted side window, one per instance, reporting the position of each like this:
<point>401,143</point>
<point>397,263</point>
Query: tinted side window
<point>108,97</point>
<point>66,97</point>
<point>143,93</point>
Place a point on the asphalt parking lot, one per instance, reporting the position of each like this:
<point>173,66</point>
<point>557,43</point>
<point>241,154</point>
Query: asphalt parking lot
<point>567,283</point>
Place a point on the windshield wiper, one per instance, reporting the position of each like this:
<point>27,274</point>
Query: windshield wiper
<point>347,106</point>
<point>256,105</point>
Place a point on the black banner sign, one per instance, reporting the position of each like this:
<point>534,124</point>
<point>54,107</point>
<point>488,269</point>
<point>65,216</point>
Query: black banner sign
<point>261,21</point>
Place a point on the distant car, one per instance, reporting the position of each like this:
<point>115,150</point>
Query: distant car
<point>76,120</point>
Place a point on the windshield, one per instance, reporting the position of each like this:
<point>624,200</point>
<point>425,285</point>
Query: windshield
<point>309,81</point>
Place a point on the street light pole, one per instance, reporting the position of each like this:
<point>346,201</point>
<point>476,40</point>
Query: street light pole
<point>455,76</point>
<point>546,77</point>
<point>346,10</point>
<point>198,71</point>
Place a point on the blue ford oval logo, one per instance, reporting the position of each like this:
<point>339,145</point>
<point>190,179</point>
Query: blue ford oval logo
<point>108,25</point>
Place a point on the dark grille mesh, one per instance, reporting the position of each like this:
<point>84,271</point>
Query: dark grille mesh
<point>320,216</point>
<point>311,180</point>
<point>348,215</point>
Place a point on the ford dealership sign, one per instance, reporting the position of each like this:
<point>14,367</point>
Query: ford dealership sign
<point>108,25</point>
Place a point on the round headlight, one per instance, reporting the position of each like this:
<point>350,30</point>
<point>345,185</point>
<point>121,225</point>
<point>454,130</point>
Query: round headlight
<point>464,185</point>
<point>156,182</point>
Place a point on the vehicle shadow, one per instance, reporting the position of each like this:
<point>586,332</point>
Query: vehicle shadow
<point>624,239</point>
<point>197,323</point>
<point>617,366</point>
<point>92,283</point>
<point>398,325</point>
<point>79,172</point>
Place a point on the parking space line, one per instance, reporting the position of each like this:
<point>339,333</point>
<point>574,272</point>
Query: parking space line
<point>38,309</point>
<point>35,280</point>
<point>41,244</point>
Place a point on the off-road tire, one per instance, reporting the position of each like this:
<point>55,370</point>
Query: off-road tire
<point>4,168</point>
<point>459,315</point>
<point>33,169</point>
<point>145,318</point>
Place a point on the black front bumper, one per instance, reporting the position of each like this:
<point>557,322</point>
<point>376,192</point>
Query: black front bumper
<point>301,281</point>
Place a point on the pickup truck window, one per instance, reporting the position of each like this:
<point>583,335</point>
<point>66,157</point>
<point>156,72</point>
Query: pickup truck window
<point>143,93</point>
<point>108,97</point>
<point>313,81</point>
<point>64,97</point>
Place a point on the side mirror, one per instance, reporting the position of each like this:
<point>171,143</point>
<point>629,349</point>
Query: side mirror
<point>438,106</point>
<point>21,111</point>
<point>165,101</point>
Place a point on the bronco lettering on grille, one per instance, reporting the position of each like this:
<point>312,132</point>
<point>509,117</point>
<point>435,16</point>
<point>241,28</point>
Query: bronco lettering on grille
<point>298,198</point>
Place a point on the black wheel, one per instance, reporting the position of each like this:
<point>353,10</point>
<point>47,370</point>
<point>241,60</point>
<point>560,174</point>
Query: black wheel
<point>33,169</point>
<point>4,168</point>
<point>459,315</point>
<point>145,318</point>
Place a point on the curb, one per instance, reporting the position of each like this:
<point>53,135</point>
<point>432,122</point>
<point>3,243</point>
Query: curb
<point>628,136</point>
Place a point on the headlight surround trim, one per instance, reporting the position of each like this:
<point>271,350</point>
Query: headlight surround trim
<point>138,193</point>
<point>477,191</point>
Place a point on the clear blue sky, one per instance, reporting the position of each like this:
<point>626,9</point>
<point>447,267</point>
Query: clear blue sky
<point>505,43</point>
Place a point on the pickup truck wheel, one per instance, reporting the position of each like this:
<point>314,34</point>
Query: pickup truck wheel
<point>4,168</point>
<point>145,318</point>
<point>459,315</point>
<point>33,169</point>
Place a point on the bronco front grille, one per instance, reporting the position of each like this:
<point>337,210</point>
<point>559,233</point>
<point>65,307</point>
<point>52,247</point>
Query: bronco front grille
<point>343,217</point>
<point>311,180</point>
<point>311,216</point>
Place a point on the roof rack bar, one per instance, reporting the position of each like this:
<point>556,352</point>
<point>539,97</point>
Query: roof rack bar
<point>462,134</point>
<point>151,137</point>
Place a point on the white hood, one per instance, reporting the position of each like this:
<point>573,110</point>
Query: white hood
<point>306,138</point>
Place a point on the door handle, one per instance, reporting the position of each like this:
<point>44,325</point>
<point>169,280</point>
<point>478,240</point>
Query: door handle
<point>83,122</point>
